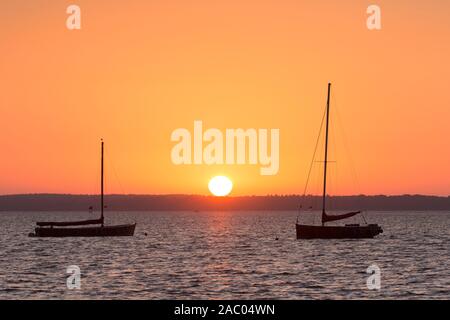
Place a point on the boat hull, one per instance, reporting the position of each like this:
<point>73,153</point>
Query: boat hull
<point>337,232</point>
<point>125,230</point>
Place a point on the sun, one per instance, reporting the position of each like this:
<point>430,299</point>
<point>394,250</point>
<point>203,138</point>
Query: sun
<point>220,186</point>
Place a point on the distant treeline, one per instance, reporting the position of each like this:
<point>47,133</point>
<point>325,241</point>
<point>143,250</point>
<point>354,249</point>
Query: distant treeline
<point>63,202</point>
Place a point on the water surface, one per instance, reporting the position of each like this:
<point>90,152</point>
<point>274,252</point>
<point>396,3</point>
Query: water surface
<point>225,255</point>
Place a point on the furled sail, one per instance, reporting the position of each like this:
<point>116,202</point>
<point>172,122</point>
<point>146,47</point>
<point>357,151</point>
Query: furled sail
<point>69,223</point>
<point>328,218</point>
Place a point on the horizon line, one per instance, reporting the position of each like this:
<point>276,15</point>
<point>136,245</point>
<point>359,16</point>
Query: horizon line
<point>230,196</point>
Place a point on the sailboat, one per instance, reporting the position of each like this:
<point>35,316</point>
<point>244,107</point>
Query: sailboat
<point>349,231</point>
<point>96,227</point>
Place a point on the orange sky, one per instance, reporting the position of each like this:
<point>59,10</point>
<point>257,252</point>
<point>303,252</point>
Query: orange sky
<point>137,70</point>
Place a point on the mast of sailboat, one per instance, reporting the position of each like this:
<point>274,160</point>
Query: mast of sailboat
<point>326,156</point>
<point>101,183</point>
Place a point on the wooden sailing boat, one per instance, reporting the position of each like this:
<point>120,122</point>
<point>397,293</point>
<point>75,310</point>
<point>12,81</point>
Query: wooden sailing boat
<point>96,228</point>
<point>350,231</point>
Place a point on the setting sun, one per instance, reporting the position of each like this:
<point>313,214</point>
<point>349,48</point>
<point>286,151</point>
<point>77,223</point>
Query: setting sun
<point>220,186</point>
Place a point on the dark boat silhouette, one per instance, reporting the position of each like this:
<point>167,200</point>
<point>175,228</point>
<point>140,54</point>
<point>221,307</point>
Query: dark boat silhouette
<point>349,231</point>
<point>96,226</point>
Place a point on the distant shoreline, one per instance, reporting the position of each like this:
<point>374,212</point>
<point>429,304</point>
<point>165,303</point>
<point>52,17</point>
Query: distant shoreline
<point>72,202</point>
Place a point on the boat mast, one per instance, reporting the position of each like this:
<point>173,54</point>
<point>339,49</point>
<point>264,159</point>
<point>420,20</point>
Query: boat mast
<point>326,156</point>
<point>101,197</point>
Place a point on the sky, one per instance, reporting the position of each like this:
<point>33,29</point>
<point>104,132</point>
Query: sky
<point>138,70</point>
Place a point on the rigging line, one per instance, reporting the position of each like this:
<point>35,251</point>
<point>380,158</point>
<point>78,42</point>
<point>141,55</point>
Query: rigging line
<point>334,181</point>
<point>115,172</point>
<point>314,154</point>
<point>332,174</point>
<point>352,163</point>
<point>345,140</point>
<point>316,200</point>
<point>95,188</point>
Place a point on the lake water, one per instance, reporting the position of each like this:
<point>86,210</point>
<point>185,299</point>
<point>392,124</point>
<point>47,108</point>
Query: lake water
<point>226,255</point>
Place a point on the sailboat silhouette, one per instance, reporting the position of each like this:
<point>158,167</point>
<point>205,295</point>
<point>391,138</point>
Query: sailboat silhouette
<point>67,229</point>
<point>351,231</point>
